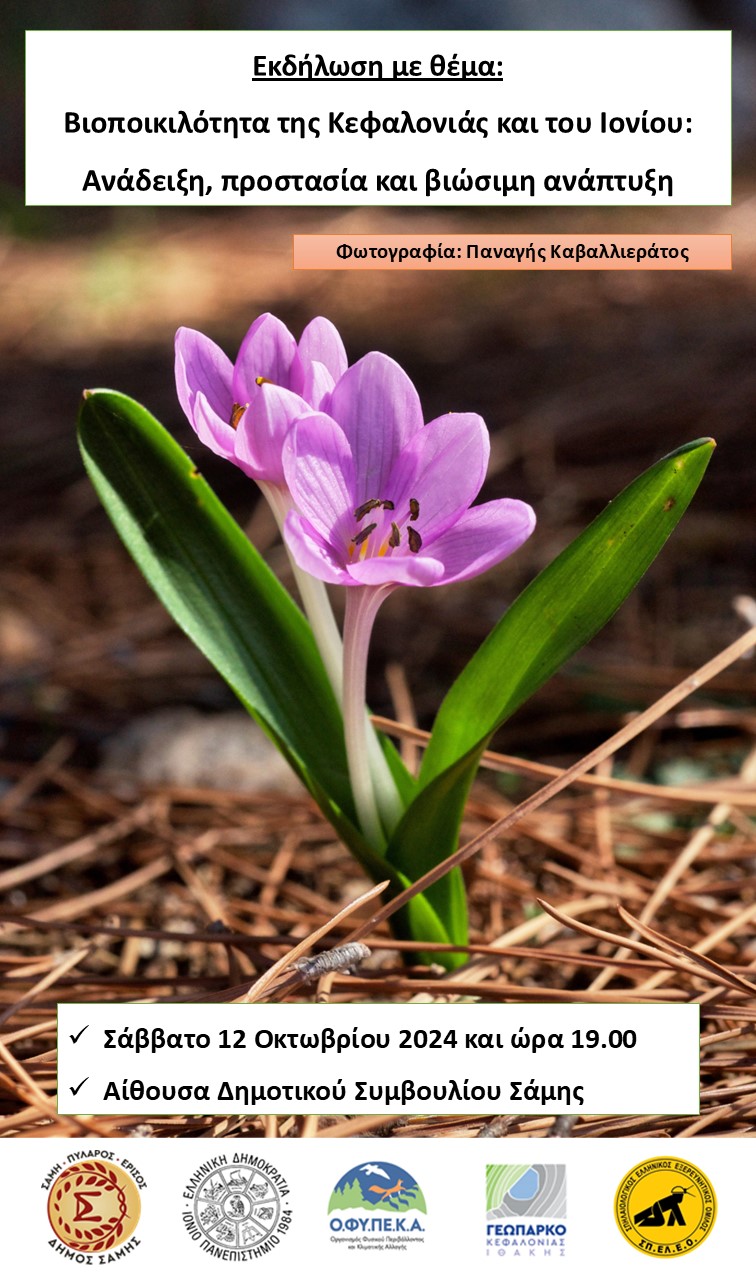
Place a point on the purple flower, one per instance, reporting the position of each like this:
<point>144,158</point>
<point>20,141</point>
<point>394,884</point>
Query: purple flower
<point>243,411</point>
<point>382,500</point>
<point>367,494</point>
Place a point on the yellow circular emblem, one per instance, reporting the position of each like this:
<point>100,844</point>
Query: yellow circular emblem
<point>665,1207</point>
<point>93,1206</point>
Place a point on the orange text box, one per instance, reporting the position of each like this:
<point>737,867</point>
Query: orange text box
<point>486,252</point>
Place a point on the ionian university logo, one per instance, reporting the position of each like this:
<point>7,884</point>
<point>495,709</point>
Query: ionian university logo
<point>665,1207</point>
<point>526,1208</point>
<point>93,1207</point>
<point>377,1205</point>
<point>238,1207</point>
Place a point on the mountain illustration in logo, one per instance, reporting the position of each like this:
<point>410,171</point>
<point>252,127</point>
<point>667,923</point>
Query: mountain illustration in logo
<point>380,1185</point>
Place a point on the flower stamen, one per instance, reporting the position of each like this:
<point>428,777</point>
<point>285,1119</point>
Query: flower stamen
<point>370,505</point>
<point>414,509</point>
<point>237,413</point>
<point>414,539</point>
<point>396,537</point>
<point>363,534</point>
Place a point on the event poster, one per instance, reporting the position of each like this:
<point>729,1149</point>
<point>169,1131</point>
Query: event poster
<point>377,632</point>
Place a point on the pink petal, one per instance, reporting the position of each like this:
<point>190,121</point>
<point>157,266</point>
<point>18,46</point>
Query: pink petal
<point>317,386</point>
<point>212,430</point>
<point>378,409</point>
<point>263,429</point>
<point>320,342</point>
<point>408,571</point>
<point>267,351</point>
<point>482,537</point>
<point>201,366</point>
<point>312,552</point>
<point>319,471</point>
<point>442,468</point>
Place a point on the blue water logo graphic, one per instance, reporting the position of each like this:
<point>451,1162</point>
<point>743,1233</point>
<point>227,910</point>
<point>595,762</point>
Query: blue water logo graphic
<point>526,1190</point>
<point>526,1211</point>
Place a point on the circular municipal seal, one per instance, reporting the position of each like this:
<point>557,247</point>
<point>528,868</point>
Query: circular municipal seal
<point>238,1208</point>
<point>93,1206</point>
<point>665,1207</point>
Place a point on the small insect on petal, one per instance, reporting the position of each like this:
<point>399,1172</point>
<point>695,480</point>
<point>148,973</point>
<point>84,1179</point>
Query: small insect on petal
<point>237,413</point>
<point>396,536</point>
<point>414,509</point>
<point>370,505</point>
<point>415,541</point>
<point>363,534</point>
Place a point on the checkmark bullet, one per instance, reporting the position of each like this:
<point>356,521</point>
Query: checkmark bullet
<point>80,1033</point>
<point>76,1090</point>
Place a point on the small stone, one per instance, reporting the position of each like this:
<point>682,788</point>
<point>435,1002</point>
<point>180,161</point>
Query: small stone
<point>183,747</point>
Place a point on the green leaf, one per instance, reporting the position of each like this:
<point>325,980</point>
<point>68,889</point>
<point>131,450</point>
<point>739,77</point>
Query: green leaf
<point>553,617</point>
<point>222,594</point>
<point>217,587</point>
<point>565,605</point>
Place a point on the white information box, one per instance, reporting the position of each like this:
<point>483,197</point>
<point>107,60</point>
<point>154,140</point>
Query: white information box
<point>492,118</point>
<point>378,1059</point>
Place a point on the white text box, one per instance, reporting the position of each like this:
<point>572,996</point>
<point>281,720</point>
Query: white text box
<point>382,1058</point>
<point>408,118</point>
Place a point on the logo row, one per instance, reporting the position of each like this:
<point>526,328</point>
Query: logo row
<point>238,1208</point>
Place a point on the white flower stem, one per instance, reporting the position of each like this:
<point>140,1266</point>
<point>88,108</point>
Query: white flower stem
<point>362,605</point>
<point>314,599</point>
<point>317,607</point>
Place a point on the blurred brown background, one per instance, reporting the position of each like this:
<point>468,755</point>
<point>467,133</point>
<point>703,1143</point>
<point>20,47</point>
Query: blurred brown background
<point>583,379</point>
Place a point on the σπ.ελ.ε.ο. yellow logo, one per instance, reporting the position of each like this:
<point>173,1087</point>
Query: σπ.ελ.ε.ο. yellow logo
<point>665,1207</point>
